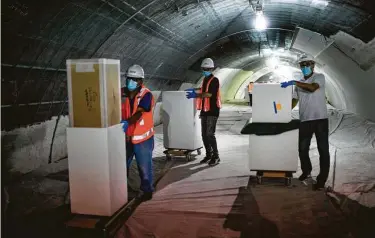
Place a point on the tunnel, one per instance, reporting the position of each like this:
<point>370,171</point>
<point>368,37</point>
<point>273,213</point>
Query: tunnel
<point>169,39</point>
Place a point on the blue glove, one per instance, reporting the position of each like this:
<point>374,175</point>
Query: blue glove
<point>190,93</point>
<point>125,125</point>
<point>288,83</point>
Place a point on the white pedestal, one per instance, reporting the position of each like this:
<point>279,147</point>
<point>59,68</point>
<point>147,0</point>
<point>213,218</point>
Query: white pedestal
<point>97,170</point>
<point>274,152</point>
<point>181,123</point>
<point>271,103</point>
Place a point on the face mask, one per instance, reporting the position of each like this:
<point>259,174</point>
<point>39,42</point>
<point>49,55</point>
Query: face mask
<point>206,73</point>
<point>306,70</point>
<point>132,85</point>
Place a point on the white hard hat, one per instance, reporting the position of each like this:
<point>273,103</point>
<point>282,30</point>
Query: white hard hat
<point>305,58</point>
<point>135,71</point>
<point>207,63</point>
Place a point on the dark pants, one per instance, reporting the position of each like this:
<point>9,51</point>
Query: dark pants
<point>208,135</point>
<point>251,99</point>
<point>306,131</point>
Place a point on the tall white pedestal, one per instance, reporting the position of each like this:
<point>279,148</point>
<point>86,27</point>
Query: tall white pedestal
<point>97,170</point>
<point>274,152</point>
<point>181,123</point>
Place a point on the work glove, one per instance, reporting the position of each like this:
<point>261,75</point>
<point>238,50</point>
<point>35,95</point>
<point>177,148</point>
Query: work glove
<point>288,83</point>
<point>125,125</point>
<point>190,93</point>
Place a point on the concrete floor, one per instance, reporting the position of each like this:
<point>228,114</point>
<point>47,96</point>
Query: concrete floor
<point>218,201</point>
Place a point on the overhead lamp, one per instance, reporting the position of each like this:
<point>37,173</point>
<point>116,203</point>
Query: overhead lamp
<point>260,21</point>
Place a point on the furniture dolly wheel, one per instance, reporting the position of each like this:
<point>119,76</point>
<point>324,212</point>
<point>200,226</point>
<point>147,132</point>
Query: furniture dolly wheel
<point>288,181</point>
<point>199,151</point>
<point>169,156</point>
<point>259,179</point>
<point>189,157</point>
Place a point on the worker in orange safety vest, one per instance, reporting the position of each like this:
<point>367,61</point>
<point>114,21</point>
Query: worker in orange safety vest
<point>209,102</point>
<point>137,119</point>
<point>251,85</point>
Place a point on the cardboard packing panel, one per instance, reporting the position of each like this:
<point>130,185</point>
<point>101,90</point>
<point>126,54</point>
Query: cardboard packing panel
<point>113,94</point>
<point>85,87</point>
<point>95,98</point>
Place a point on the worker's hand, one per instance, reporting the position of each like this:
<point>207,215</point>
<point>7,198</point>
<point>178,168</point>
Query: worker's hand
<point>191,94</point>
<point>125,125</point>
<point>288,83</point>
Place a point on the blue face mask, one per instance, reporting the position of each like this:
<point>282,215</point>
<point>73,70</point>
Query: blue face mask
<point>131,85</point>
<point>206,73</point>
<point>306,70</point>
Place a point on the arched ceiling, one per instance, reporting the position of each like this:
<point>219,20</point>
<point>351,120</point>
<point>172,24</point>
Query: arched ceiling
<point>165,37</point>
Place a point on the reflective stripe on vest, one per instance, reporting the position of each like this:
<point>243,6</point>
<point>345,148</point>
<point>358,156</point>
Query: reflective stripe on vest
<point>143,129</point>
<point>207,105</point>
<point>144,136</point>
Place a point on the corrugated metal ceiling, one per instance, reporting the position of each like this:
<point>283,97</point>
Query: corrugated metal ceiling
<point>166,37</point>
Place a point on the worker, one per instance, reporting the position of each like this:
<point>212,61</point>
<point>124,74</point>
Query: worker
<point>251,85</point>
<point>310,92</point>
<point>137,119</point>
<point>209,102</point>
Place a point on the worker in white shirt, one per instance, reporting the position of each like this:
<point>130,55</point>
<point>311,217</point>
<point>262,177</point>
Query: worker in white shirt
<point>310,92</point>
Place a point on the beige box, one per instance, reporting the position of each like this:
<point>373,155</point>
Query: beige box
<point>94,92</point>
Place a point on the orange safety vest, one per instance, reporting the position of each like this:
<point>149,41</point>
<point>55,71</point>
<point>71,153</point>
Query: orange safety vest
<point>143,129</point>
<point>207,105</point>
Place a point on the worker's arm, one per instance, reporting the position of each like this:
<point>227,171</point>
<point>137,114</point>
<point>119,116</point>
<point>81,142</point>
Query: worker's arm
<point>204,95</point>
<point>133,119</point>
<point>144,106</point>
<point>212,91</point>
<point>319,82</point>
<point>311,87</point>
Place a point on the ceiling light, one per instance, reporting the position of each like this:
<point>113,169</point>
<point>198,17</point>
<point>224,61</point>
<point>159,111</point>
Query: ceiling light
<point>260,22</point>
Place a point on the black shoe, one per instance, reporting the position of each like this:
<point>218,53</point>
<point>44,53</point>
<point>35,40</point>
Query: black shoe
<point>205,159</point>
<point>303,177</point>
<point>317,187</point>
<point>214,161</point>
<point>144,196</point>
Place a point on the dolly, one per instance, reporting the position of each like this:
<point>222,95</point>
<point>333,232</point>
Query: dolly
<point>170,153</point>
<point>286,175</point>
<point>100,226</point>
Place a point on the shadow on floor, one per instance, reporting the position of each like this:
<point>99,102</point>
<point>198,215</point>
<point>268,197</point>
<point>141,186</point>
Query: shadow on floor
<point>245,217</point>
<point>180,172</point>
<point>360,217</point>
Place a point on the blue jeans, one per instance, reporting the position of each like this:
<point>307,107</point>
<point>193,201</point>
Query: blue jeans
<point>143,156</point>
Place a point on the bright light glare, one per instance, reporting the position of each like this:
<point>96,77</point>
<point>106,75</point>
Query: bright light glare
<point>322,3</point>
<point>272,62</point>
<point>260,22</point>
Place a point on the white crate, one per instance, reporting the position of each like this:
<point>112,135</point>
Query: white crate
<point>274,152</point>
<point>181,123</point>
<point>97,170</point>
<point>265,97</point>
